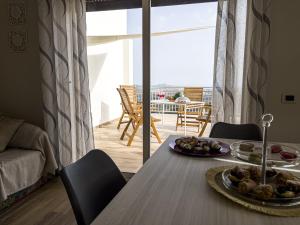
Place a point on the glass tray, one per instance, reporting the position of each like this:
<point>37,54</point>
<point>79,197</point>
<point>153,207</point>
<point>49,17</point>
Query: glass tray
<point>273,159</point>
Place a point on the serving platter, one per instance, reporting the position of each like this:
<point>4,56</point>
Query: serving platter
<point>274,201</point>
<point>224,150</point>
<point>273,160</point>
<point>215,178</point>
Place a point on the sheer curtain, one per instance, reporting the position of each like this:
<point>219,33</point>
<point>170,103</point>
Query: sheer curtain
<point>65,83</point>
<point>241,67</point>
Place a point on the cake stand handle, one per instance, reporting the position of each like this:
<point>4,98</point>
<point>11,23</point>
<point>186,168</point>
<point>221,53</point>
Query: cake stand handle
<point>266,123</point>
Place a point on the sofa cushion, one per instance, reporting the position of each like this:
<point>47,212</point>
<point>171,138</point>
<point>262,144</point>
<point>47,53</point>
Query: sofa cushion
<point>8,127</point>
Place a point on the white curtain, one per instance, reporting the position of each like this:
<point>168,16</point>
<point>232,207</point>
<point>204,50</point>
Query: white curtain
<point>65,83</point>
<point>241,66</point>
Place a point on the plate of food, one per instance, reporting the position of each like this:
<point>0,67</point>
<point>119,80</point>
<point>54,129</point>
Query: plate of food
<point>201,147</point>
<point>281,188</point>
<point>278,155</point>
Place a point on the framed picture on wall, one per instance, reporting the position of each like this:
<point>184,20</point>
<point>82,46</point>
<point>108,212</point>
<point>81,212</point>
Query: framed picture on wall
<point>17,41</point>
<point>16,13</point>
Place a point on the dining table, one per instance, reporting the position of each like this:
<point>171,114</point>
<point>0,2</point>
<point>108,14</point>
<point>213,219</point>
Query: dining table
<point>171,189</point>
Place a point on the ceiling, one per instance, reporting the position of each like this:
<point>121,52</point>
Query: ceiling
<point>103,5</point>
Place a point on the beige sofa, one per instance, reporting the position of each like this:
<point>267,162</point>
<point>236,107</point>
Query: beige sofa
<point>26,155</point>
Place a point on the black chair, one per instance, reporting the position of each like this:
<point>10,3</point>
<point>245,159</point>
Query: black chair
<point>236,131</point>
<point>91,183</point>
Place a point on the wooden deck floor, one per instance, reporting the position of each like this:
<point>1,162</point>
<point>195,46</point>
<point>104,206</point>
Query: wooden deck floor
<point>129,159</point>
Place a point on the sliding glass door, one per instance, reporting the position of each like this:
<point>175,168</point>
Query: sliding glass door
<point>121,55</point>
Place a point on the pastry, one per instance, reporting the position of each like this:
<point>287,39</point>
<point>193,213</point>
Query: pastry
<point>234,179</point>
<point>255,158</point>
<point>288,194</point>
<point>246,147</point>
<point>240,173</point>
<point>279,184</point>
<point>288,156</point>
<point>255,173</point>
<point>293,185</point>
<point>263,192</point>
<point>276,148</point>
<point>271,173</point>
<point>246,185</point>
<point>283,177</point>
<point>198,145</point>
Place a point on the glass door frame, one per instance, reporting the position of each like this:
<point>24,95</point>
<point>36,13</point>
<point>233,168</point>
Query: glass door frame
<point>146,39</point>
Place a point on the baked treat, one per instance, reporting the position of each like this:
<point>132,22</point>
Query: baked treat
<point>294,185</point>
<point>288,194</point>
<point>255,158</point>
<point>234,179</point>
<point>279,184</point>
<point>255,173</point>
<point>246,185</point>
<point>276,148</point>
<point>263,192</point>
<point>288,156</point>
<point>199,145</point>
<point>283,177</point>
<point>240,173</point>
<point>271,173</point>
<point>246,147</point>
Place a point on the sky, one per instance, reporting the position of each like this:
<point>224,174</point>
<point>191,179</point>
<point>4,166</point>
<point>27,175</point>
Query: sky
<point>183,59</point>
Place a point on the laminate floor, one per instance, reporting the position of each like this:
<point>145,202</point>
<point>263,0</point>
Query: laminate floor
<point>49,205</point>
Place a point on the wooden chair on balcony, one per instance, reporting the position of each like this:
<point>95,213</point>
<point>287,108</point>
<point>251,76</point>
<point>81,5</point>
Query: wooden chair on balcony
<point>135,118</point>
<point>195,94</point>
<point>204,118</point>
<point>131,91</point>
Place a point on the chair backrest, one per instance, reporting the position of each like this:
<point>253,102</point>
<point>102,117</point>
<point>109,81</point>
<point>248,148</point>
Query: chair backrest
<point>131,91</point>
<point>236,131</point>
<point>193,93</point>
<point>126,103</point>
<point>206,112</point>
<point>91,183</point>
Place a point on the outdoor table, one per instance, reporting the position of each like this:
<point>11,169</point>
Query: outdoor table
<point>171,189</point>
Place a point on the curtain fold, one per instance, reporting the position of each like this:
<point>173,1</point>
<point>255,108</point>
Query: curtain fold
<point>241,67</point>
<point>65,83</point>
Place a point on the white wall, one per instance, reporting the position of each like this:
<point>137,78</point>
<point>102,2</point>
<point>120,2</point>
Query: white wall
<point>20,78</point>
<point>108,68</point>
<point>107,22</point>
<point>110,64</point>
<point>285,70</point>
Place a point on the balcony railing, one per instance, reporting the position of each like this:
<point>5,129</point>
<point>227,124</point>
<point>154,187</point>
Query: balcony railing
<point>169,92</point>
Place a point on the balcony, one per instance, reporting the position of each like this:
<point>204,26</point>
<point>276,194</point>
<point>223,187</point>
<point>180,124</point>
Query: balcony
<point>170,92</point>
<point>129,159</point>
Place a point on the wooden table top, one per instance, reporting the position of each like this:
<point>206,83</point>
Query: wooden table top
<point>171,189</point>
